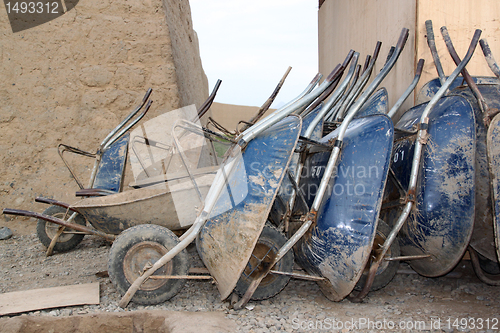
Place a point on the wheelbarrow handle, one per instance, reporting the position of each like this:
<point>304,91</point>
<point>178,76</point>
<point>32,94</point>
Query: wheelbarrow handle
<point>124,130</point>
<point>267,104</point>
<point>489,57</point>
<point>49,201</point>
<point>408,90</point>
<point>127,119</point>
<point>329,91</point>
<point>432,46</point>
<point>206,105</point>
<point>335,96</point>
<point>69,225</point>
<point>470,82</point>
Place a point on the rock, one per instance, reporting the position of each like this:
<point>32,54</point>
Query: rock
<point>95,76</point>
<point>5,233</point>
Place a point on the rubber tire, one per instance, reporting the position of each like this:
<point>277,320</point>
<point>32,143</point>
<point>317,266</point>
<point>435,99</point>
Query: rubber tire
<point>382,278</point>
<point>274,239</point>
<point>140,234</point>
<point>488,266</point>
<point>60,246</point>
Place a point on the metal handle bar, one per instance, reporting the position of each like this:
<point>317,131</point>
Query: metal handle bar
<point>268,102</point>
<point>470,82</point>
<point>334,111</point>
<point>432,46</point>
<point>264,124</point>
<point>133,113</point>
<point>334,98</point>
<point>408,90</point>
<point>489,57</point>
<point>124,130</point>
<point>328,91</point>
<point>206,105</point>
<point>360,84</point>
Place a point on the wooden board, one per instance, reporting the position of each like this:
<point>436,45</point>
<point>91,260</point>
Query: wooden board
<point>461,18</point>
<point>46,298</point>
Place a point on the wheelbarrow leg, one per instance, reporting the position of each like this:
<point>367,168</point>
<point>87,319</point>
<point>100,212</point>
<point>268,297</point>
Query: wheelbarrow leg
<point>281,253</point>
<point>60,231</point>
<point>54,241</point>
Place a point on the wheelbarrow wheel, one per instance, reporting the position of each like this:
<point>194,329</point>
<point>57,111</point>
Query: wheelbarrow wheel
<point>137,249</point>
<point>488,266</point>
<point>387,269</point>
<point>46,231</point>
<point>268,245</point>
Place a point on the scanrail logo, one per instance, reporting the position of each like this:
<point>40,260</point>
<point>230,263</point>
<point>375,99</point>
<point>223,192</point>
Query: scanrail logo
<point>29,14</point>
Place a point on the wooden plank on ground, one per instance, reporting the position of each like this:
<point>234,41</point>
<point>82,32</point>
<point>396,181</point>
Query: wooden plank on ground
<point>46,298</point>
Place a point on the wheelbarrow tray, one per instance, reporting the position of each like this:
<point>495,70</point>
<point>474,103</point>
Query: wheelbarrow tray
<point>172,205</point>
<point>442,221</point>
<point>494,158</point>
<point>429,89</point>
<point>338,246</point>
<point>226,241</point>
<point>482,239</point>
<point>279,207</point>
<point>376,104</point>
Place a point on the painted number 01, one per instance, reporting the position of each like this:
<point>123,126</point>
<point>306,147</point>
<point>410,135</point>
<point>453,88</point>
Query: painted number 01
<point>397,156</point>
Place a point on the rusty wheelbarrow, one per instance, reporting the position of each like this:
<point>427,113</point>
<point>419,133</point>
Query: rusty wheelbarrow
<point>62,226</point>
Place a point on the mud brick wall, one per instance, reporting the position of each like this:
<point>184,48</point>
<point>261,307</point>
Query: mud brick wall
<point>75,78</point>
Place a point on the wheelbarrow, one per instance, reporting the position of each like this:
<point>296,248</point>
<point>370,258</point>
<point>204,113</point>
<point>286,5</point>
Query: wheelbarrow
<point>483,95</point>
<point>104,189</point>
<point>291,202</point>
<point>222,258</point>
<point>429,198</point>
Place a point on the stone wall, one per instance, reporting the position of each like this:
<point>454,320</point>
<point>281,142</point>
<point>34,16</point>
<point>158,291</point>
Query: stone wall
<point>75,78</point>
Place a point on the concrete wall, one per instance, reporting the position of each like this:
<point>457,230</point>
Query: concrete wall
<point>75,78</point>
<point>358,24</point>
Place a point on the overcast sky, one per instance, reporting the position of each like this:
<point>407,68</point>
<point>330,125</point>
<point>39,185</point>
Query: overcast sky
<point>250,44</point>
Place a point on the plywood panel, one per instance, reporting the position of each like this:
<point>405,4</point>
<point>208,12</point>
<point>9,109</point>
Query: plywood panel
<point>46,298</point>
<point>358,25</point>
<point>461,17</point>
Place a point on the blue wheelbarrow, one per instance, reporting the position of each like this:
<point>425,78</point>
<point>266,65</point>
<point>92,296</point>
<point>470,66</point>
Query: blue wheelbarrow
<point>483,95</point>
<point>430,196</point>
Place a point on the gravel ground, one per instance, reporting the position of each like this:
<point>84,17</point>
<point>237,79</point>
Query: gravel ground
<point>409,303</point>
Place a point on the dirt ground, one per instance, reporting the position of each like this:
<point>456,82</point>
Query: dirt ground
<point>455,302</point>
